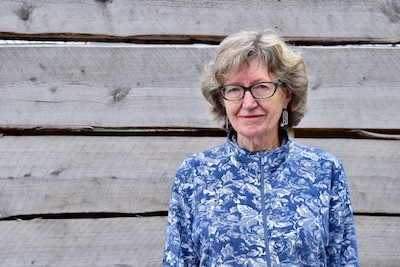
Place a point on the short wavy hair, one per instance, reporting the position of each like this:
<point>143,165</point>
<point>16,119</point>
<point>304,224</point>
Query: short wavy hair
<point>238,49</point>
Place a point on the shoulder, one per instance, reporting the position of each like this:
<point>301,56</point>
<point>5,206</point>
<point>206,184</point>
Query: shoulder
<point>204,159</point>
<point>317,165</point>
<point>205,156</point>
<point>195,168</point>
<point>306,152</point>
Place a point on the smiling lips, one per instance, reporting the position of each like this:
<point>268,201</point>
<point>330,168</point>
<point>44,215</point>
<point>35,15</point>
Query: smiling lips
<point>250,117</point>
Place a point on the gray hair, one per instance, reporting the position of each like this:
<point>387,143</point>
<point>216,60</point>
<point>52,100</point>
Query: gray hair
<point>282,61</point>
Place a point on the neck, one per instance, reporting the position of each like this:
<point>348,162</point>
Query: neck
<point>259,143</point>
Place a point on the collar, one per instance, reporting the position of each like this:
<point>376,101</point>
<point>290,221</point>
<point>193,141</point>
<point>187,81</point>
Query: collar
<point>273,157</point>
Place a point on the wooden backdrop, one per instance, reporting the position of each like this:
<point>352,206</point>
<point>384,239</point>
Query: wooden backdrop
<point>102,104</point>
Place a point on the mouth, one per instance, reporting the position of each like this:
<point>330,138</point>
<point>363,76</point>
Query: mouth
<point>251,116</point>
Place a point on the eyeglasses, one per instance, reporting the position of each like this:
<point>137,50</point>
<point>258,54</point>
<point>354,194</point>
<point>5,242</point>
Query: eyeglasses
<point>262,90</point>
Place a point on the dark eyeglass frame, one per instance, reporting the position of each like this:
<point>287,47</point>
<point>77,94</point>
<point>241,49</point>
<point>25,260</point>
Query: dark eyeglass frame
<point>245,89</point>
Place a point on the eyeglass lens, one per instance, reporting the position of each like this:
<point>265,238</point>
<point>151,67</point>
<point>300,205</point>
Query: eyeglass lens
<point>260,90</point>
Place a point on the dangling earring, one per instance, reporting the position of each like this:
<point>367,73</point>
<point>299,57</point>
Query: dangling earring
<point>226,123</point>
<point>285,118</point>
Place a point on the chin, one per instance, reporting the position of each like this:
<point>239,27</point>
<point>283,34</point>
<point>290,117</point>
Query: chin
<point>257,132</point>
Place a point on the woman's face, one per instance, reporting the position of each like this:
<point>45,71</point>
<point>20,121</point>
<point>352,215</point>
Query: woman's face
<point>256,120</point>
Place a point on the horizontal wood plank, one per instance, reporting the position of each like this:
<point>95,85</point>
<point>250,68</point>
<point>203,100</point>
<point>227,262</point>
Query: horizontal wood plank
<point>117,86</point>
<point>54,174</point>
<point>372,171</point>
<point>378,240</point>
<point>140,242</point>
<point>371,20</point>
<point>120,87</point>
<point>82,174</point>
<point>83,242</point>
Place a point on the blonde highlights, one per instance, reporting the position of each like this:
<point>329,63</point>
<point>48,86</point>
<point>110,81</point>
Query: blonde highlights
<point>282,61</point>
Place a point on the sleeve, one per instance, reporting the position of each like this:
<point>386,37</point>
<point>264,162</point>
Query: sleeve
<point>179,249</point>
<point>342,247</point>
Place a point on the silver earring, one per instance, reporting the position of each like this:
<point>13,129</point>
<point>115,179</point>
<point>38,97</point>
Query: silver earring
<point>226,123</point>
<point>285,118</point>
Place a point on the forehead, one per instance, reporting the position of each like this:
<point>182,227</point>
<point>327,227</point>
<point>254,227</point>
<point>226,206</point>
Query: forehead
<point>250,71</point>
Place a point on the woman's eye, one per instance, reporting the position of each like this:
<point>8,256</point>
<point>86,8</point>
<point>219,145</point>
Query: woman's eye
<point>233,90</point>
<point>262,87</point>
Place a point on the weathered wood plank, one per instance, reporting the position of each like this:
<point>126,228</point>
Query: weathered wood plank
<point>140,241</point>
<point>102,86</point>
<point>56,174</point>
<point>372,171</point>
<point>350,88</point>
<point>72,174</point>
<point>378,239</point>
<point>159,86</point>
<point>370,20</point>
<point>83,242</point>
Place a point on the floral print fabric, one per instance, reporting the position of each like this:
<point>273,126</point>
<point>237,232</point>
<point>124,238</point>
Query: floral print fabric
<point>284,207</point>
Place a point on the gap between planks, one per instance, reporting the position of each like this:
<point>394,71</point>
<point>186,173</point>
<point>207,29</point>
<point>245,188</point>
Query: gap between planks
<point>89,215</point>
<point>378,134</point>
<point>106,215</point>
<point>179,39</point>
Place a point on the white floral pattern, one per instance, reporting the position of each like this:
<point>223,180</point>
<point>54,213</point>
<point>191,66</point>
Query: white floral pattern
<point>285,207</point>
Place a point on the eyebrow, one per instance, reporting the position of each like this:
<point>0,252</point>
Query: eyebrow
<point>254,82</point>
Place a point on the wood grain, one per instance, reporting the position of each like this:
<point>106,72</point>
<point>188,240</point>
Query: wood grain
<point>324,21</point>
<point>78,174</point>
<point>111,86</point>
<point>83,242</point>
<point>140,242</point>
<point>372,171</point>
<point>378,240</point>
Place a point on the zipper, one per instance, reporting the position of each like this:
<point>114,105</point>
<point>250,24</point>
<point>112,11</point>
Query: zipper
<point>264,212</point>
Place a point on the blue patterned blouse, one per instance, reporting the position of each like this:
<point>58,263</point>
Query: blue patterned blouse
<point>284,207</point>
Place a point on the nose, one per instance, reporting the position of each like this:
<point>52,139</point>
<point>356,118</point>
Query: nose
<point>249,102</point>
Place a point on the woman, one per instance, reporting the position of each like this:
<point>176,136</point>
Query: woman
<point>260,199</point>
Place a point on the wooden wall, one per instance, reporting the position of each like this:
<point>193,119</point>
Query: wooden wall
<point>93,129</point>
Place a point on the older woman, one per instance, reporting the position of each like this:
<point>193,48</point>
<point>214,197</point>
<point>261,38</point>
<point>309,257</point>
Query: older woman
<point>260,199</point>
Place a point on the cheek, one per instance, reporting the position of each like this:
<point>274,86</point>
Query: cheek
<point>231,108</point>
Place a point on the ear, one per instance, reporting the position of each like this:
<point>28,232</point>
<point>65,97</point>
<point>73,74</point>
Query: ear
<point>221,101</point>
<point>288,96</point>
